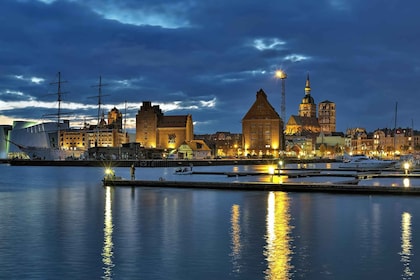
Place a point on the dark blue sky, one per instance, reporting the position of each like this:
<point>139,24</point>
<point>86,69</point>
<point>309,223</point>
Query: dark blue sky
<point>209,58</point>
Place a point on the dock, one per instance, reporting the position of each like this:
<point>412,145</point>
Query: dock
<point>348,187</point>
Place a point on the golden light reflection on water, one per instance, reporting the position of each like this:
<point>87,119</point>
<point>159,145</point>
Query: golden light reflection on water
<point>278,241</point>
<point>272,172</point>
<point>406,246</point>
<point>236,237</point>
<point>107,250</point>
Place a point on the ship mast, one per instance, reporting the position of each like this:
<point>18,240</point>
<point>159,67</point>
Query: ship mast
<point>59,93</point>
<point>100,95</point>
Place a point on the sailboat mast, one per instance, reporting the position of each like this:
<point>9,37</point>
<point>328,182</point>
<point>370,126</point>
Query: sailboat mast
<point>100,95</point>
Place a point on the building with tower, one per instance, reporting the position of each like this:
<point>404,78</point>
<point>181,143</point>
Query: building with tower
<point>155,130</point>
<point>115,119</point>
<point>326,117</point>
<point>307,107</point>
<point>306,121</point>
<point>261,128</point>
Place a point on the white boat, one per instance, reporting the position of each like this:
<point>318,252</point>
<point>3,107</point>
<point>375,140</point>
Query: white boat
<point>364,162</point>
<point>183,171</point>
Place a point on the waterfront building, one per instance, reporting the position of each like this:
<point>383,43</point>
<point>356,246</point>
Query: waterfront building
<point>299,146</point>
<point>42,139</point>
<point>261,128</point>
<point>155,130</point>
<point>194,149</point>
<point>331,144</point>
<point>26,134</point>
<point>105,134</point>
<point>224,144</point>
<point>359,141</point>
<point>394,141</point>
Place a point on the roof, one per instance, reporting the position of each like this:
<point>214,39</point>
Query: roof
<point>308,99</point>
<point>261,109</point>
<point>303,121</point>
<point>173,121</point>
<point>197,145</point>
<point>327,101</point>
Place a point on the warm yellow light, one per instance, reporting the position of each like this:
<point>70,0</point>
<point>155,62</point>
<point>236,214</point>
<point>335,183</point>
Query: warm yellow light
<point>280,74</point>
<point>406,182</point>
<point>278,250</point>
<point>271,170</point>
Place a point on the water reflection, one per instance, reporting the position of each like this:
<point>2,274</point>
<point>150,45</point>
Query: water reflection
<point>107,250</point>
<point>406,245</point>
<point>278,248</point>
<point>236,237</point>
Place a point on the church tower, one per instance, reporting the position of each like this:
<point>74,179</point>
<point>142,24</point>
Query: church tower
<point>326,116</point>
<point>307,107</point>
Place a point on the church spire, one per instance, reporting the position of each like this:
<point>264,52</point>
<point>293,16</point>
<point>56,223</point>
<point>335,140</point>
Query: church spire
<point>307,86</point>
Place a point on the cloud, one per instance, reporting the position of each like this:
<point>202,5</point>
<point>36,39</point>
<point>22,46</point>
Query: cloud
<point>203,57</point>
<point>263,44</point>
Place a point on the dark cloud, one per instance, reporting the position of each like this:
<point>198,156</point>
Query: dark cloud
<point>360,55</point>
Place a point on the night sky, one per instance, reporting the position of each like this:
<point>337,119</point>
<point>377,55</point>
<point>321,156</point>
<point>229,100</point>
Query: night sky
<point>209,58</point>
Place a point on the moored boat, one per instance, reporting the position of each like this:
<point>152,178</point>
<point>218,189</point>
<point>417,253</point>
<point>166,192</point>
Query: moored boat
<point>364,162</point>
<point>183,171</point>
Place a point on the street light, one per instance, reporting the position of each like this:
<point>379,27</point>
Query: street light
<point>280,74</point>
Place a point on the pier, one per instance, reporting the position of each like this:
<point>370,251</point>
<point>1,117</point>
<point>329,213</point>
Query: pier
<point>349,184</point>
<point>343,187</point>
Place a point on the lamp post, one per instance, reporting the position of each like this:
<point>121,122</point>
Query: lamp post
<point>280,74</point>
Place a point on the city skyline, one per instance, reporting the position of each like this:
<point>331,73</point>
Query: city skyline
<point>209,59</point>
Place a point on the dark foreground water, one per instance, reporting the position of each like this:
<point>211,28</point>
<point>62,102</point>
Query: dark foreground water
<point>60,223</point>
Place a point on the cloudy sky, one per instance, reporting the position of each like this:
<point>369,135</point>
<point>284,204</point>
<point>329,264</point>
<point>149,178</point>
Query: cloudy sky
<point>209,58</point>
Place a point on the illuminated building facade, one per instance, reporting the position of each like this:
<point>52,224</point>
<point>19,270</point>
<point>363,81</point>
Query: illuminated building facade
<point>115,118</point>
<point>261,128</point>
<point>326,116</point>
<point>306,121</point>
<point>154,130</point>
<point>195,149</point>
<point>106,134</point>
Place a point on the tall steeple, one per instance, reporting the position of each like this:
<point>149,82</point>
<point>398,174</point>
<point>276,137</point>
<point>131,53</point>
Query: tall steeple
<point>307,86</point>
<point>308,107</point>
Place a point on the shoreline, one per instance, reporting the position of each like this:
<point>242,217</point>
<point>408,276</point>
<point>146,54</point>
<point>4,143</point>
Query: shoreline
<point>157,163</point>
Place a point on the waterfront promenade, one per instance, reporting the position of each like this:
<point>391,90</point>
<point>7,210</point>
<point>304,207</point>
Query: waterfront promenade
<point>156,162</point>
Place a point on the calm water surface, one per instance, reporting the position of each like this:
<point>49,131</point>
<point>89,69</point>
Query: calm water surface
<point>60,223</point>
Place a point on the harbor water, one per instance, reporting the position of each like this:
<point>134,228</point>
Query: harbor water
<point>61,223</point>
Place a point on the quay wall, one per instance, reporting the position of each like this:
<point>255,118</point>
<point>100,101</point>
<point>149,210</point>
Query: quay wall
<point>155,163</point>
